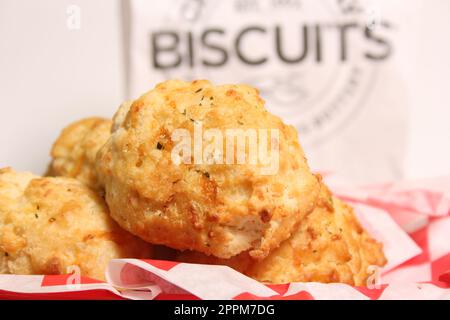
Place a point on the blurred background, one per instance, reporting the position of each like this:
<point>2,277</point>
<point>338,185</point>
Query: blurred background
<point>365,82</point>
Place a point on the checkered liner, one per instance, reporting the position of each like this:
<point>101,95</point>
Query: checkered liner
<point>412,219</point>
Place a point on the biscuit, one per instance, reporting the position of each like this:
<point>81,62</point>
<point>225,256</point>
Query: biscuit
<point>329,246</point>
<point>74,152</point>
<point>48,225</point>
<point>221,209</point>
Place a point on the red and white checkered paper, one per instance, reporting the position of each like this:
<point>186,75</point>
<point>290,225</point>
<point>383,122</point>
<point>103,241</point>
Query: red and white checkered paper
<point>412,219</point>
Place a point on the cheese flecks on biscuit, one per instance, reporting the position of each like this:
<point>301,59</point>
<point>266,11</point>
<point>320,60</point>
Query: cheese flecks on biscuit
<point>74,152</point>
<point>329,246</point>
<point>216,208</point>
<point>53,225</point>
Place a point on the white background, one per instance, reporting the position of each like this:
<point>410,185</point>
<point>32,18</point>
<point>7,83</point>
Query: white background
<point>50,76</point>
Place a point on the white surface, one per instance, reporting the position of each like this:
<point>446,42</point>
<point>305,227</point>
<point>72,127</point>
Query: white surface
<point>429,141</point>
<point>44,65</point>
<point>80,73</point>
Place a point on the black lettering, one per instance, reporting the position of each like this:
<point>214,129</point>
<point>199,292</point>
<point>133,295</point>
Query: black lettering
<point>343,38</point>
<point>318,43</point>
<point>379,41</point>
<point>190,54</point>
<point>279,46</point>
<point>223,53</point>
<point>158,49</point>
<point>237,44</point>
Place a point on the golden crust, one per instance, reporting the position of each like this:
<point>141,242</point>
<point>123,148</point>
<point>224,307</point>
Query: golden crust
<point>215,209</point>
<point>329,246</point>
<point>50,224</point>
<point>75,150</point>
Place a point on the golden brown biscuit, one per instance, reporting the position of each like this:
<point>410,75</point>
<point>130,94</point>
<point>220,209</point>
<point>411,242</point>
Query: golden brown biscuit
<point>329,246</point>
<point>50,224</point>
<point>75,150</point>
<point>218,209</point>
